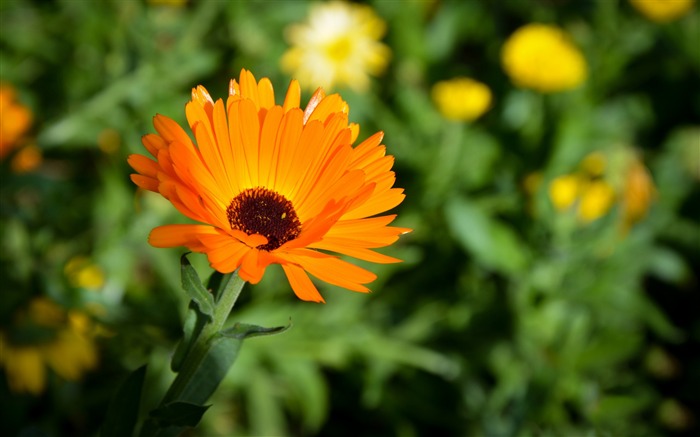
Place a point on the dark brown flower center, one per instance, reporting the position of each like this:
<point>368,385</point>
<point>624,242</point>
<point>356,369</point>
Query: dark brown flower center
<point>261,211</point>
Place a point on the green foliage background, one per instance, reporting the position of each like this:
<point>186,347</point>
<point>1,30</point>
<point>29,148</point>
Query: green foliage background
<point>504,319</point>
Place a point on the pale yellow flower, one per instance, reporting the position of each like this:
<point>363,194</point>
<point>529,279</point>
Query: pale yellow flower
<point>543,58</point>
<point>461,98</point>
<point>663,11</point>
<point>67,347</point>
<point>339,45</point>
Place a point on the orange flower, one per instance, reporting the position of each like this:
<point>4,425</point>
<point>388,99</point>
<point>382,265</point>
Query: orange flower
<point>273,185</point>
<point>14,120</point>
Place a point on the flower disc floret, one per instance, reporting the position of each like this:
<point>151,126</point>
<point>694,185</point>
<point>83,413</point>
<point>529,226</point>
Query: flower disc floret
<point>261,211</point>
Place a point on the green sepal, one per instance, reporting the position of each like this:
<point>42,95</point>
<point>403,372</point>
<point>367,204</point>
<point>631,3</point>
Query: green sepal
<point>123,410</point>
<point>179,414</point>
<point>195,289</point>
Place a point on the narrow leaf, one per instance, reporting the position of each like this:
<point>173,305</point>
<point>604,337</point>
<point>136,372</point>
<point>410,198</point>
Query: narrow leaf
<point>195,289</point>
<point>207,374</point>
<point>191,328</point>
<point>491,242</point>
<point>179,414</point>
<point>222,351</point>
<point>123,410</point>
<point>243,330</point>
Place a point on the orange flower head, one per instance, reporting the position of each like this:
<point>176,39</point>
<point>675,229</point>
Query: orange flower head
<point>273,184</point>
<point>15,120</point>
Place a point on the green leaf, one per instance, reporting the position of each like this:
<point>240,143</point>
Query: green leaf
<point>194,322</point>
<point>195,289</point>
<point>124,408</point>
<point>179,414</point>
<point>242,331</point>
<point>492,243</point>
<point>204,377</point>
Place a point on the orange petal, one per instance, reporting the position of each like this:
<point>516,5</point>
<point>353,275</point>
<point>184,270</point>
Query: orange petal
<point>145,182</point>
<point>355,252</point>
<point>180,235</point>
<point>293,96</point>
<point>316,98</point>
<point>153,143</point>
<point>224,253</point>
<point>170,130</point>
<point>143,165</point>
<point>301,284</point>
<point>334,271</point>
<point>251,269</point>
<point>266,93</point>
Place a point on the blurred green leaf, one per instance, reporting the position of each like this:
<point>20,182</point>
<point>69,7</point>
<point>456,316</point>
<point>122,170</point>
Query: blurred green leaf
<point>179,414</point>
<point>668,265</point>
<point>124,408</point>
<point>492,243</point>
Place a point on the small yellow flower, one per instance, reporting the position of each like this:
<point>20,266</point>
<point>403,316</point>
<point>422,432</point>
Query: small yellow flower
<point>83,273</point>
<point>339,45</point>
<point>663,11</point>
<point>543,58</point>
<point>66,346</point>
<point>461,98</point>
<point>597,197</point>
<point>563,191</point>
<point>15,119</point>
<point>27,159</point>
<point>598,185</point>
<point>109,141</point>
<point>594,164</point>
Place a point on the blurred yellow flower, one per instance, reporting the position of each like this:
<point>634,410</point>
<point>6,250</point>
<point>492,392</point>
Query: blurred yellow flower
<point>594,164</point>
<point>461,98</point>
<point>638,192</point>
<point>597,197</point>
<point>596,187</point>
<point>109,141</point>
<point>44,335</point>
<point>543,58</point>
<point>339,45</point>
<point>83,273</point>
<point>563,191</point>
<point>663,11</point>
<point>15,119</point>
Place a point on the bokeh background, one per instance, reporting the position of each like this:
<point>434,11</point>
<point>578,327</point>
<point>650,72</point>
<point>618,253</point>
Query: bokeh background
<point>550,152</point>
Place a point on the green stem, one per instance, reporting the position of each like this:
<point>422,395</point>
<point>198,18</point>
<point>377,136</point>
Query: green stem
<point>199,350</point>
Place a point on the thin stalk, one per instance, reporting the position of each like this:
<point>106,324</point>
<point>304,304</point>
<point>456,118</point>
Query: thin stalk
<point>198,352</point>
